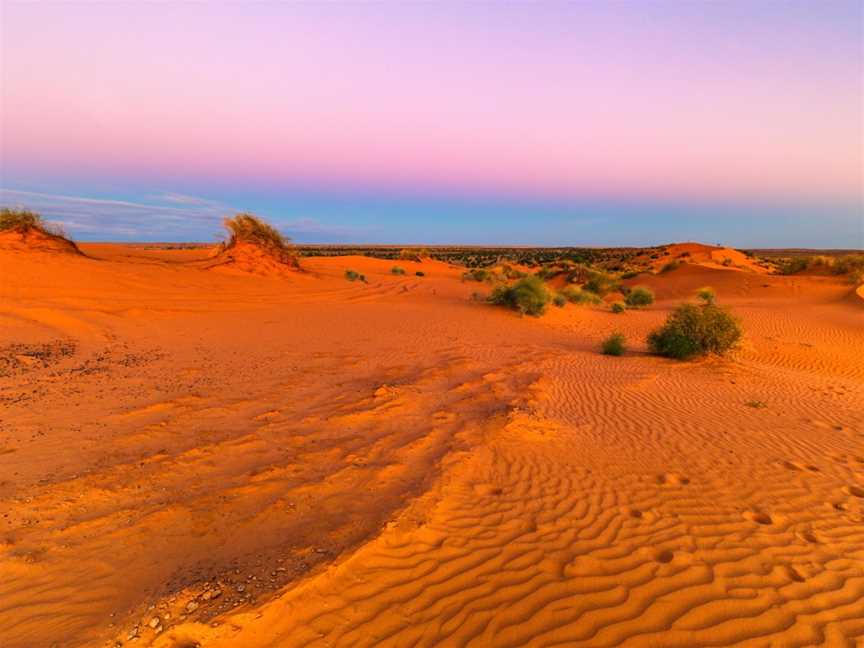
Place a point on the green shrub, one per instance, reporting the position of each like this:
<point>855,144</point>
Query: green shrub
<point>614,345</point>
<point>601,283</point>
<point>477,274</point>
<point>639,296</point>
<point>528,295</point>
<point>578,296</point>
<point>420,273</point>
<point>694,331</point>
<point>396,270</point>
<point>706,295</point>
<point>351,275</point>
<point>618,307</point>
<point>559,300</point>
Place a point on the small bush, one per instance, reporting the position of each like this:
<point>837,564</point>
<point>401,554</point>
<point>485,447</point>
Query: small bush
<point>578,296</point>
<point>477,274</point>
<point>559,300</point>
<point>352,275</point>
<point>420,273</point>
<point>669,267</point>
<point>528,295</point>
<point>639,296</point>
<point>618,307</point>
<point>396,270</point>
<point>601,283</point>
<point>726,262</point>
<point>614,345</point>
<point>706,295</point>
<point>631,274</point>
<point>694,331</point>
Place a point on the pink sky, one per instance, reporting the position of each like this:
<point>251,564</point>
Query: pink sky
<point>679,100</point>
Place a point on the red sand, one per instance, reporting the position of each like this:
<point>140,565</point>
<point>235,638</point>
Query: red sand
<point>298,460</point>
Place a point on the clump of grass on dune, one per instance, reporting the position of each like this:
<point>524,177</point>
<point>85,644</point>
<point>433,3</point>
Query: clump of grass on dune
<point>22,220</point>
<point>529,296</point>
<point>618,307</point>
<point>706,295</point>
<point>396,270</point>
<point>578,296</point>
<point>638,297</point>
<point>248,228</point>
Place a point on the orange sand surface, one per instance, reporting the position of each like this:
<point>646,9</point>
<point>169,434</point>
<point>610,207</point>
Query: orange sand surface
<point>193,456</point>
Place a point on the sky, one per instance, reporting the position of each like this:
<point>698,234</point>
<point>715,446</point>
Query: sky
<point>553,123</point>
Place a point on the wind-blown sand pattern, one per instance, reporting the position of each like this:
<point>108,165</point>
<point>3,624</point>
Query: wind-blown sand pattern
<point>200,456</point>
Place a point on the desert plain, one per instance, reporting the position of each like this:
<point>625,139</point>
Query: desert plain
<point>221,456</point>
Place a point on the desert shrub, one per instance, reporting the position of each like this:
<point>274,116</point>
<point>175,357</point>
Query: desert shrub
<point>512,273</point>
<point>695,330</point>
<point>726,262</point>
<point>669,267</point>
<point>614,345</point>
<point>477,274</point>
<point>352,275</point>
<point>706,295</point>
<point>793,265</point>
<point>639,296</point>
<point>601,283</point>
<point>631,274</point>
<point>420,273</point>
<point>559,300</point>
<point>618,307</point>
<point>396,270</point>
<point>849,264</point>
<point>414,254</point>
<point>578,296</point>
<point>528,295</point>
<point>683,255</point>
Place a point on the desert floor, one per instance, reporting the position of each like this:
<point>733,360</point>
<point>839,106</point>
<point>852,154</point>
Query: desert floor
<point>197,457</point>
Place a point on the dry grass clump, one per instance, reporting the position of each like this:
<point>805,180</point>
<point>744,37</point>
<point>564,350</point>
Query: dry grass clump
<point>851,265</point>
<point>248,228</point>
<point>578,296</point>
<point>638,297</point>
<point>396,270</point>
<point>21,220</point>
<point>353,275</point>
<point>601,283</point>
<point>414,254</point>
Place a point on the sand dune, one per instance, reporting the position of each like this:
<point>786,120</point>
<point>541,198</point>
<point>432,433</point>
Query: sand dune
<point>291,459</point>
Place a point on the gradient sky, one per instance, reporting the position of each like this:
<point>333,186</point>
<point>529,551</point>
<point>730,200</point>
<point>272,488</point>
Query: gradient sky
<point>554,123</point>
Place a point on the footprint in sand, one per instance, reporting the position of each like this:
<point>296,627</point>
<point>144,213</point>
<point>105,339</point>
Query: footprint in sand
<point>759,518</point>
<point>794,574</point>
<point>673,479</point>
<point>855,491</point>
